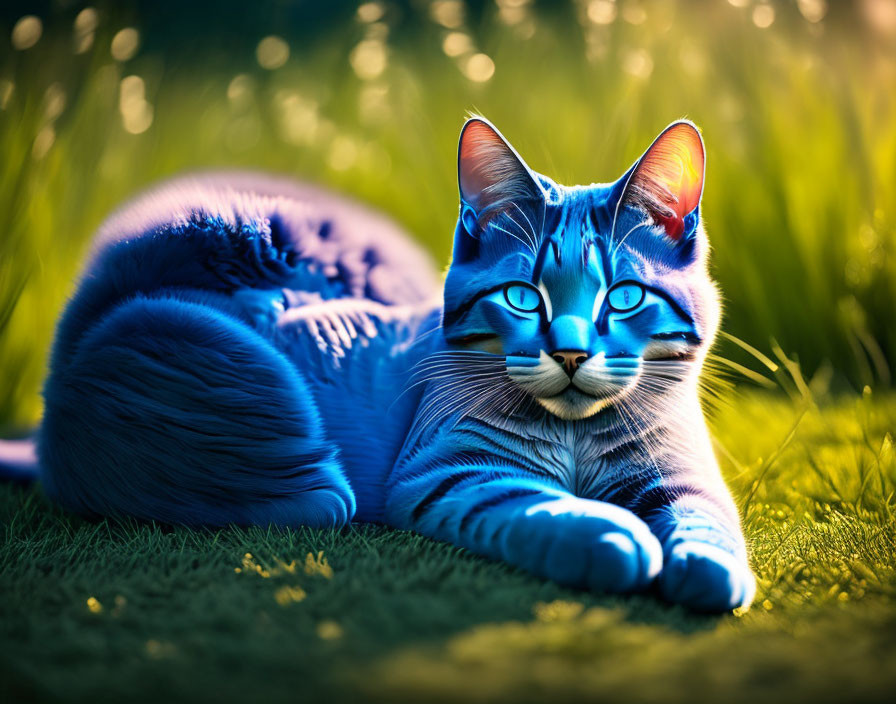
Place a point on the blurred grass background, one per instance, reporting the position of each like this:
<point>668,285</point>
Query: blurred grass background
<point>796,100</point>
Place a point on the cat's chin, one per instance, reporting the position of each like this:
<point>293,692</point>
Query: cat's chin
<point>573,404</point>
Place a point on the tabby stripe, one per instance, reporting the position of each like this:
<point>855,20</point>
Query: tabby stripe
<point>457,459</point>
<point>624,450</point>
<point>486,504</point>
<point>524,462</point>
<point>661,497</point>
<point>626,491</point>
<point>439,491</point>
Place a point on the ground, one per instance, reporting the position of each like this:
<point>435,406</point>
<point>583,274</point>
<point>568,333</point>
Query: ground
<point>105,611</point>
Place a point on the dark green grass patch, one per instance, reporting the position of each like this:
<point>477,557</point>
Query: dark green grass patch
<point>124,611</point>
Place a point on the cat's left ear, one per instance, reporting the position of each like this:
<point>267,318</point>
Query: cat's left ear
<point>667,181</point>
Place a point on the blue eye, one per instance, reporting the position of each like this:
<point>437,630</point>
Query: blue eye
<point>626,296</point>
<point>524,298</point>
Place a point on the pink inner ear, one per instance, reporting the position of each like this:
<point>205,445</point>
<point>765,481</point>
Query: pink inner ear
<point>479,148</point>
<point>488,169</point>
<point>669,178</point>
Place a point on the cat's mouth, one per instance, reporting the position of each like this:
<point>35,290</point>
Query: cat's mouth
<point>575,393</point>
<point>577,403</point>
<point>573,403</point>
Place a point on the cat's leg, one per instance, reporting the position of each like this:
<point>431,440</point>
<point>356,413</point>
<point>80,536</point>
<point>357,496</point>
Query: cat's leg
<point>176,412</point>
<point>500,512</point>
<point>705,565</point>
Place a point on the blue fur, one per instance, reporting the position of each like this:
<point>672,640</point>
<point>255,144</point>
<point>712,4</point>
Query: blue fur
<point>173,411</point>
<point>246,351</point>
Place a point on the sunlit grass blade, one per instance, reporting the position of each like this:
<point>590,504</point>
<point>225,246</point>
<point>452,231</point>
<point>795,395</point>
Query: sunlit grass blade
<point>746,372</point>
<point>770,365</point>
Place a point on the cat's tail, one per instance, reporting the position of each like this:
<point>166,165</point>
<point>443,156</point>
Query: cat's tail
<point>18,461</point>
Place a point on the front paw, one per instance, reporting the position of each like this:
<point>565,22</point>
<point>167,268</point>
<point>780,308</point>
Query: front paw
<point>587,544</point>
<point>704,577</point>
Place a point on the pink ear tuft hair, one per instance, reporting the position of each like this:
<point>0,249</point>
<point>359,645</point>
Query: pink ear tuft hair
<point>490,173</point>
<point>668,180</point>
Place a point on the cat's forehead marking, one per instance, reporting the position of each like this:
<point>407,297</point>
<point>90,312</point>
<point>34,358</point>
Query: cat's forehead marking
<point>583,209</point>
<point>575,265</point>
<point>577,242</point>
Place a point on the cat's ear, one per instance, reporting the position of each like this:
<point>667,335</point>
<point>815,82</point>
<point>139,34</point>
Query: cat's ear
<point>490,174</point>
<point>667,181</point>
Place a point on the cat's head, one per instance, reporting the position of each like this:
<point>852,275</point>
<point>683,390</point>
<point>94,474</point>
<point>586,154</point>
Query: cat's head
<point>591,293</point>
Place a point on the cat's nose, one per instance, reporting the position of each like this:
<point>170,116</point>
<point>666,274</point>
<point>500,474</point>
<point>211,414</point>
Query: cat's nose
<point>570,360</point>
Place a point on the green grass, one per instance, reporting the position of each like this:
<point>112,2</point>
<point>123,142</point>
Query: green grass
<point>185,615</point>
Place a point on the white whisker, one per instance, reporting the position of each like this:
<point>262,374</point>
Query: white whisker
<point>516,237</point>
<point>530,232</point>
<point>625,236</point>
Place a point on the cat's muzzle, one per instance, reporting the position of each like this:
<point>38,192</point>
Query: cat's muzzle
<point>596,383</point>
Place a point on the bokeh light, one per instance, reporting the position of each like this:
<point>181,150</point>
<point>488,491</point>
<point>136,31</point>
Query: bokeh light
<point>448,13</point>
<point>26,32</point>
<point>125,44</point>
<point>637,63</point>
<point>370,11</point>
<point>272,52</point>
<point>369,58</point>
<point>54,101</point>
<point>136,112</point>
<point>241,90</point>
<point>85,29</point>
<point>457,44</point>
<point>479,68</point>
<point>602,11</point>
<point>43,141</point>
<point>7,88</point>
<point>763,15</point>
<point>813,10</point>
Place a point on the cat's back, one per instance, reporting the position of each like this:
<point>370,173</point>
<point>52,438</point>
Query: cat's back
<point>327,243</point>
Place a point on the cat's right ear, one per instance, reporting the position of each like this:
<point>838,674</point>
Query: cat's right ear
<point>490,174</point>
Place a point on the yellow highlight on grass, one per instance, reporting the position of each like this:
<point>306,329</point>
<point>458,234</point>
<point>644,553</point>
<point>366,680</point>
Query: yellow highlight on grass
<point>94,605</point>
<point>289,595</point>
<point>318,565</point>
<point>329,630</point>
<point>250,565</point>
<point>314,565</point>
<point>558,610</point>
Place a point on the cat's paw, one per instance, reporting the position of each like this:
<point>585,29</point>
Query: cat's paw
<point>624,562</point>
<point>591,545</point>
<point>705,577</point>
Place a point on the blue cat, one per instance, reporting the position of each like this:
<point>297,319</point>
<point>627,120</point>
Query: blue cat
<point>246,350</point>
